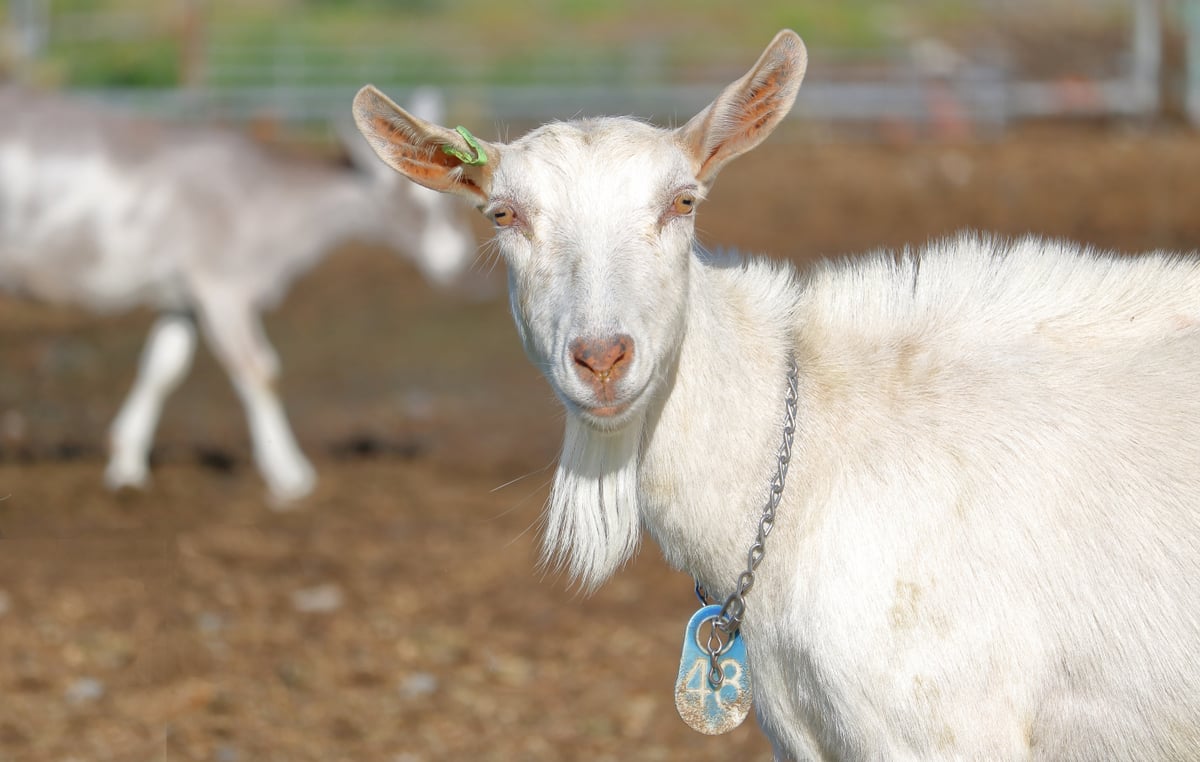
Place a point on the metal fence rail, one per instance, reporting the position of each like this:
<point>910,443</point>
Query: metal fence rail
<point>307,83</point>
<point>986,102</point>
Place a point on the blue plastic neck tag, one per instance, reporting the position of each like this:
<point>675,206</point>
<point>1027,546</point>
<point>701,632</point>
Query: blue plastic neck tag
<point>710,709</point>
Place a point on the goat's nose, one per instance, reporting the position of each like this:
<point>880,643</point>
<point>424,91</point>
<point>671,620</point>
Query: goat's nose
<point>602,360</point>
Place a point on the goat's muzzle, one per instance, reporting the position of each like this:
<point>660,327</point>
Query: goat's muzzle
<point>601,363</point>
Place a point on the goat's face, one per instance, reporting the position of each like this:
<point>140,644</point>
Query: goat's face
<point>594,218</point>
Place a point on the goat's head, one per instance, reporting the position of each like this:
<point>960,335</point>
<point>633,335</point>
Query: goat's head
<point>418,222</point>
<point>595,218</point>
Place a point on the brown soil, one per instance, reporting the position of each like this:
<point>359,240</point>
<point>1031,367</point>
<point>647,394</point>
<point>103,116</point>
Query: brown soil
<point>398,614</point>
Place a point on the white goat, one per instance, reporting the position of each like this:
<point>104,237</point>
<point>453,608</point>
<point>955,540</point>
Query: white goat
<point>107,212</point>
<point>988,546</point>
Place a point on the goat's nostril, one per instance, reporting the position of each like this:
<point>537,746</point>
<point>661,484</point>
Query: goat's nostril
<point>603,359</point>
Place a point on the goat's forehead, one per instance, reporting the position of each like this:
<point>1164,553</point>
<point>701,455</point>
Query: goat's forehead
<point>627,156</point>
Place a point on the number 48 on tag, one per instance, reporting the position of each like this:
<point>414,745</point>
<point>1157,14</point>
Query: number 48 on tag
<point>711,709</point>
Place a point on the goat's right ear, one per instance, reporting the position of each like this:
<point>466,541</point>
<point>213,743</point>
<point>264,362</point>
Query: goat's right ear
<point>428,154</point>
<point>748,110</point>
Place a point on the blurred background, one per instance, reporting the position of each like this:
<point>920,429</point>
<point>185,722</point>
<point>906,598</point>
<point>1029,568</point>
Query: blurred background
<point>991,62</point>
<point>398,614</point>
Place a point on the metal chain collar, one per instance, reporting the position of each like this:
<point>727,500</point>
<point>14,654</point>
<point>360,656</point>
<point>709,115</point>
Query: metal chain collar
<point>729,619</point>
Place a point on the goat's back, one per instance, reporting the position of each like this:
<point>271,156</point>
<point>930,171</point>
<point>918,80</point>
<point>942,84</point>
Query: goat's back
<point>1001,499</point>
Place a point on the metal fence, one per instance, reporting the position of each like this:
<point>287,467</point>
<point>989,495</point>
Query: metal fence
<point>906,85</point>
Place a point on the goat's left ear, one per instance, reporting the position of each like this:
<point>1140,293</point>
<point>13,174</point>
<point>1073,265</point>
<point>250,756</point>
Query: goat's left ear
<point>748,110</point>
<point>428,154</point>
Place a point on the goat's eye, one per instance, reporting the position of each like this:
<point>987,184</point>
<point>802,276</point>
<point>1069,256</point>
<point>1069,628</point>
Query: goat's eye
<point>503,216</point>
<point>684,204</point>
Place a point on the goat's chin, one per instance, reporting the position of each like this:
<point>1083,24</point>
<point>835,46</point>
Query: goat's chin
<point>593,524</point>
<point>608,418</point>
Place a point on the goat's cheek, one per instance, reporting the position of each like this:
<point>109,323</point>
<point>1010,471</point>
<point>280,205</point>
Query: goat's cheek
<point>532,302</point>
<point>515,248</point>
<point>519,264</point>
<point>524,330</point>
<point>675,253</point>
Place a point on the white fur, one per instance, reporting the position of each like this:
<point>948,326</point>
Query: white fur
<point>989,543</point>
<point>109,213</point>
<point>590,544</point>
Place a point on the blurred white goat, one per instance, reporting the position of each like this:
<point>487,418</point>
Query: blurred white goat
<point>108,212</point>
<point>988,546</point>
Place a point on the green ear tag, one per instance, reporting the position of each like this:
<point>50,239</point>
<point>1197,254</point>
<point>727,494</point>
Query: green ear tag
<point>478,160</point>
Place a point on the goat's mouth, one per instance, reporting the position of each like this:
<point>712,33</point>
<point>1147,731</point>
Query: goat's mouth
<point>608,411</point>
<point>608,414</point>
<point>608,419</point>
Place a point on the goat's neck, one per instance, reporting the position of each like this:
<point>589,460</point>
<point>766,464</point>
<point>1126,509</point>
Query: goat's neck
<point>709,447</point>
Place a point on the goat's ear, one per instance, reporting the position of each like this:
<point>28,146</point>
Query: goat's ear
<point>428,154</point>
<point>748,110</point>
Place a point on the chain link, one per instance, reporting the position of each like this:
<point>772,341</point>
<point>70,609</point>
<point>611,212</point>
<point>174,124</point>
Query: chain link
<point>729,618</point>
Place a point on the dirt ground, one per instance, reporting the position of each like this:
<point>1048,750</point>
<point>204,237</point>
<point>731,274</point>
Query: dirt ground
<point>398,615</point>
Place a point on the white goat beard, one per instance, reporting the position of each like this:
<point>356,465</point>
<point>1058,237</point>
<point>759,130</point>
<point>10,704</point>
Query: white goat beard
<point>593,524</point>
